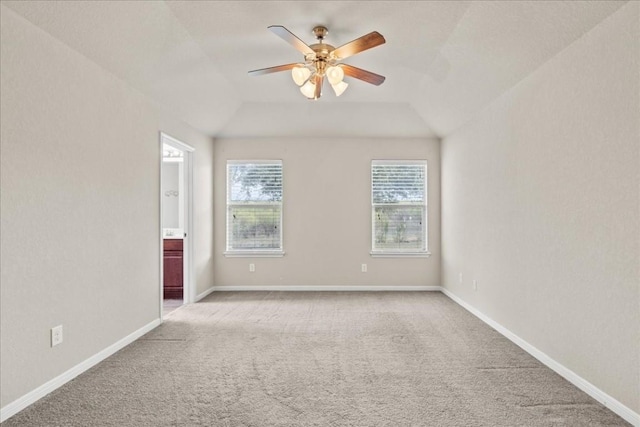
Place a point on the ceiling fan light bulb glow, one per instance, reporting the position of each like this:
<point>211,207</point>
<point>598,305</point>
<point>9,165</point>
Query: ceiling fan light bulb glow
<point>300,75</point>
<point>308,89</point>
<point>335,75</point>
<point>339,88</point>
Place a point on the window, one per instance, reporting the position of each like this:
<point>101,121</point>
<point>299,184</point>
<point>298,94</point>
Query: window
<point>399,207</point>
<point>254,208</point>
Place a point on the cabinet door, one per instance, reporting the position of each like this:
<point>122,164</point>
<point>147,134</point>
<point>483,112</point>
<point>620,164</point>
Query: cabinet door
<point>173,274</point>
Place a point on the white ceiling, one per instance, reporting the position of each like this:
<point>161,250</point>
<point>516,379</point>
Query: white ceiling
<point>444,61</point>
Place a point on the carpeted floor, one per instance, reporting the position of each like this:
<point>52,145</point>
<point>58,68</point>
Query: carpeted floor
<point>319,359</point>
<point>170,305</point>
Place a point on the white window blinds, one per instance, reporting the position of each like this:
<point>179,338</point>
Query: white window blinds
<point>399,206</point>
<point>254,206</point>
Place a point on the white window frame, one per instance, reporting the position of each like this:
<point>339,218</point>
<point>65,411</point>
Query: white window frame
<point>253,253</point>
<point>401,253</point>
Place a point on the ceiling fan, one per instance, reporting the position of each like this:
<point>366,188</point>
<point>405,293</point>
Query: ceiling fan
<point>323,60</point>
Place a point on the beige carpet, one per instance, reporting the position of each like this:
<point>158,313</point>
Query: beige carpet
<point>319,359</point>
<point>169,306</point>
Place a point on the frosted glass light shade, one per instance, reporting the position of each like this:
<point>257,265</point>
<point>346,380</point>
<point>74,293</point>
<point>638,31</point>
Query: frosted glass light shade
<point>339,88</point>
<point>335,75</point>
<point>308,89</point>
<point>300,75</point>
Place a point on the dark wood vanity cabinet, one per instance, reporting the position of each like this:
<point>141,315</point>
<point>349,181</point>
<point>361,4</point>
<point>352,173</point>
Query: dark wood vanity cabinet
<point>173,268</point>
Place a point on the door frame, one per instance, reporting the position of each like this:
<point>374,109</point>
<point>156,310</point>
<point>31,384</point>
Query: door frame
<point>188,286</point>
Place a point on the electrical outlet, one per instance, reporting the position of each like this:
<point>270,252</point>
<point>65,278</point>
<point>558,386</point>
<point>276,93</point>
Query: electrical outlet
<point>475,285</point>
<point>252,268</point>
<point>460,278</point>
<point>56,335</point>
<point>364,268</point>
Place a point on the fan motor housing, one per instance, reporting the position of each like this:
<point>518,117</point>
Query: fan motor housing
<point>322,50</point>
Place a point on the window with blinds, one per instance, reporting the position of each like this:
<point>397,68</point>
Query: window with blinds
<point>254,207</point>
<point>399,207</point>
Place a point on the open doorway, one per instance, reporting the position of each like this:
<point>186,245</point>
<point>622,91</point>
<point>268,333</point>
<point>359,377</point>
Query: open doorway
<point>176,202</point>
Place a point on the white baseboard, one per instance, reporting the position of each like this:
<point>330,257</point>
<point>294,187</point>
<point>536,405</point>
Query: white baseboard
<point>21,403</point>
<point>625,412</point>
<point>315,288</point>
<point>205,293</point>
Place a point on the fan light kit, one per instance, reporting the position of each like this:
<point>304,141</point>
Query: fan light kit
<point>323,60</point>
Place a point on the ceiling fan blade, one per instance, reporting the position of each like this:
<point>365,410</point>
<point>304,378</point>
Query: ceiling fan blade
<point>270,70</point>
<point>290,38</point>
<point>319,81</point>
<point>358,45</point>
<point>364,75</point>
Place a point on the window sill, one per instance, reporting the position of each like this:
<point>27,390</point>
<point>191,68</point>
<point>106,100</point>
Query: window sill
<point>389,254</point>
<point>254,254</point>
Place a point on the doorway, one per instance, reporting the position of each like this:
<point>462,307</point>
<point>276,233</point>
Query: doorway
<point>176,224</point>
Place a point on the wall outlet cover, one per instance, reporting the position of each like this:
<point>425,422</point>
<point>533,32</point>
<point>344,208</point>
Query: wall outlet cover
<point>56,335</point>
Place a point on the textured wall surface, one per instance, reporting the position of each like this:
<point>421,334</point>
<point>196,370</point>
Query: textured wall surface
<point>540,205</point>
<point>80,172</point>
<point>327,213</point>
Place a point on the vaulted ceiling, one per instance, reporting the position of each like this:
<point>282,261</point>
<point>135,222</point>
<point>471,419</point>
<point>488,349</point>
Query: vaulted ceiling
<point>443,61</point>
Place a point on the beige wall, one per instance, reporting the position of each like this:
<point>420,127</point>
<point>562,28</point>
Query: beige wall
<point>540,204</point>
<point>327,213</point>
<point>80,158</point>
